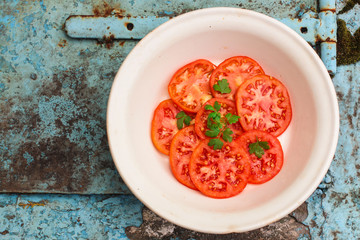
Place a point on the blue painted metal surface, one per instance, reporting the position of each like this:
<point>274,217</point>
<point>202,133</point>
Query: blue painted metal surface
<point>313,27</point>
<point>113,26</point>
<point>67,216</point>
<point>53,94</point>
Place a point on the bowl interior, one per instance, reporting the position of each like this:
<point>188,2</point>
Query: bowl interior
<point>216,34</point>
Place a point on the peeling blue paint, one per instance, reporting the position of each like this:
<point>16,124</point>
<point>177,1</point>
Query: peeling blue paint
<point>28,157</point>
<point>30,18</point>
<point>43,7</point>
<point>91,131</point>
<point>67,217</point>
<point>47,26</point>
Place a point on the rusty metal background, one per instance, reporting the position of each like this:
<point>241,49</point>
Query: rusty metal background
<point>53,93</point>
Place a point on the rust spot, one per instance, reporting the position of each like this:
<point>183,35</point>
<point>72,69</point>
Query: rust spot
<point>333,10</point>
<point>9,217</point>
<point>33,76</point>
<point>62,43</point>
<point>356,107</point>
<point>108,27</point>
<point>105,9</point>
<point>121,43</point>
<point>129,26</point>
<point>349,118</point>
<point>108,41</point>
<point>328,39</point>
<point>32,204</point>
<point>4,232</point>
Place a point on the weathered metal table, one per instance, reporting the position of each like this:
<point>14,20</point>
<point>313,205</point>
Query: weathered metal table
<point>57,178</point>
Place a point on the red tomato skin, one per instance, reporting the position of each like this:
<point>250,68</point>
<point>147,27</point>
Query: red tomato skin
<point>219,173</point>
<point>280,100</point>
<point>181,149</point>
<point>163,125</point>
<point>236,70</point>
<point>197,76</point>
<point>266,168</point>
<point>202,115</point>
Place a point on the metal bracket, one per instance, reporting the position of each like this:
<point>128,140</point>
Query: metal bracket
<point>315,28</point>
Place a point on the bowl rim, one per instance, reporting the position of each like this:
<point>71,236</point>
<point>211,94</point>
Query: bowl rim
<point>217,11</point>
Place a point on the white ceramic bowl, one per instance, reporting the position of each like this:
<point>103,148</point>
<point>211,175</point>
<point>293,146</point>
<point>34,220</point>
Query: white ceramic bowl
<point>216,34</point>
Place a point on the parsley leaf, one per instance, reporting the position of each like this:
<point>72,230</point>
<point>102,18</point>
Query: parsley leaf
<point>213,132</point>
<point>232,118</point>
<point>217,106</point>
<point>180,123</point>
<point>209,107</point>
<point>187,120</point>
<point>258,148</point>
<point>215,143</point>
<point>264,145</point>
<point>182,118</point>
<point>226,135</point>
<point>218,126</point>
<point>213,121</point>
<point>222,86</point>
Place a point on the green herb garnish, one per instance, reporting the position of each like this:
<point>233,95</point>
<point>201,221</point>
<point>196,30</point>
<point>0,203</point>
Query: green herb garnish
<point>258,148</point>
<point>215,143</point>
<point>219,126</point>
<point>222,86</point>
<point>182,118</point>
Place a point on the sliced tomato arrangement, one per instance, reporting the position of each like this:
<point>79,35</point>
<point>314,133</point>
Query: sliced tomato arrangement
<point>235,70</point>
<point>269,165</point>
<point>219,173</point>
<point>163,125</point>
<point>264,104</point>
<point>189,87</point>
<point>181,149</point>
<point>227,106</point>
<point>220,126</point>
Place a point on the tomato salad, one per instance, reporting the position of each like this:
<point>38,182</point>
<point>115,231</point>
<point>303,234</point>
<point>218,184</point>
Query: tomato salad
<point>220,125</point>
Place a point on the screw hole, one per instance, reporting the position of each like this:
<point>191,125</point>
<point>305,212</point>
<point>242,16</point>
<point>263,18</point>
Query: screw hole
<point>129,26</point>
<point>304,30</point>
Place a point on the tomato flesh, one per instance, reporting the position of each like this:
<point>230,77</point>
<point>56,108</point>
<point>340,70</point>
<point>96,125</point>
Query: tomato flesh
<point>181,149</point>
<point>264,104</point>
<point>163,125</point>
<point>236,70</point>
<point>269,165</point>
<point>219,173</point>
<point>227,106</point>
<point>189,87</point>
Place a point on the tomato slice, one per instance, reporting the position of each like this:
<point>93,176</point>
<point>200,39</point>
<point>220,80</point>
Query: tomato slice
<point>269,165</point>
<point>181,148</point>
<point>219,173</point>
<point>235,70</point>
<point>227,106</point>
<point>163,125</point>
<point>263,103</point>
<point>189,87</point>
